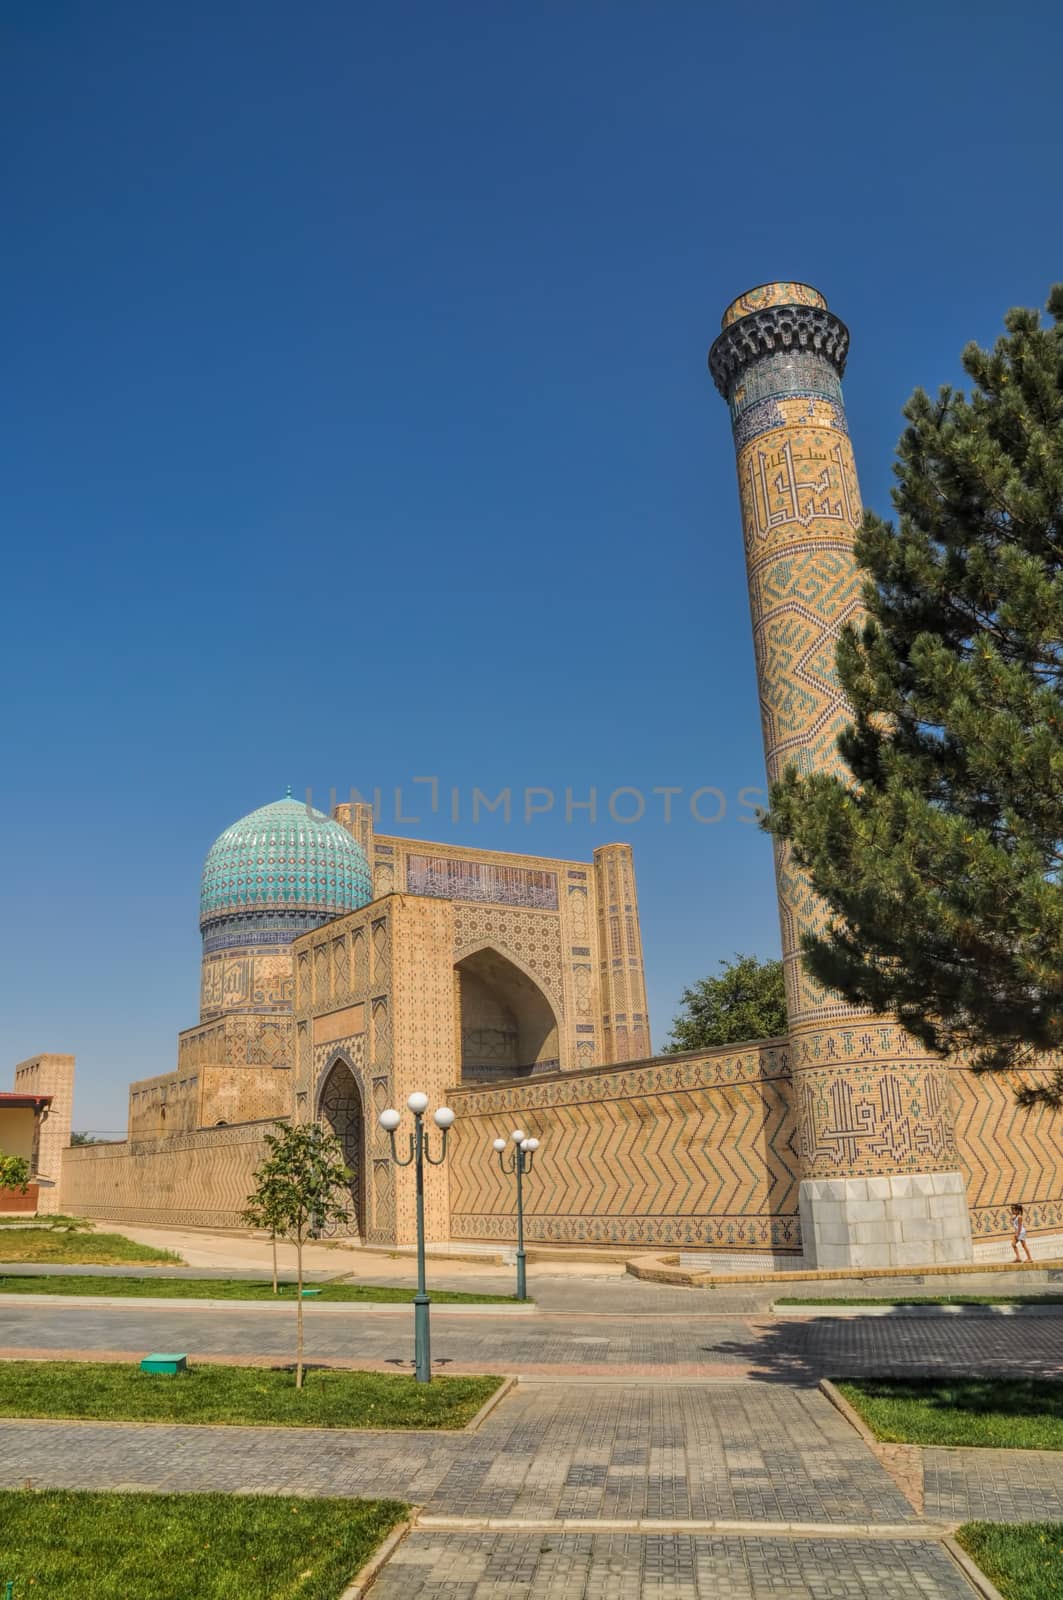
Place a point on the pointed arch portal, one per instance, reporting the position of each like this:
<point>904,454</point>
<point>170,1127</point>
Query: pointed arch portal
<point>508,1026</point>
<point>340,1106</point>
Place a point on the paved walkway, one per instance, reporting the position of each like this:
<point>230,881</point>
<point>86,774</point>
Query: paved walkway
<point>649,1346</point>
<point>548,1452</point>
<point>664,1442</point>
<point>993,1485</point>
<point>624,1566</point>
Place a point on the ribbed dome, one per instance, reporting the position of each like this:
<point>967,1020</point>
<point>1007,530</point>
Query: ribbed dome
<point>280,870</point>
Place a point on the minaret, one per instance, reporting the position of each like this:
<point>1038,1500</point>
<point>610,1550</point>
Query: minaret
<point>881,1184</point>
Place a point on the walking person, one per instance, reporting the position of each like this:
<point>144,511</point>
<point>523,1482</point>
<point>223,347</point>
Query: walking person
<point>1018,1232</point>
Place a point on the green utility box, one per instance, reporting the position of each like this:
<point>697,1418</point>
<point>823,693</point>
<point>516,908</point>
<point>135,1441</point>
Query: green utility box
<point>308,1294</point>
<point>166,1364</point>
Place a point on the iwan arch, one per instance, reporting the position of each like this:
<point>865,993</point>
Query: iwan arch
<point>342,969</point>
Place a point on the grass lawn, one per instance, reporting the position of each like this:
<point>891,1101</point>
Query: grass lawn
<point>252,1396</point>
<point>230,1289</point>
<point>87,1546</point>
<point>933,1300</point>
<point>1000,1413</point>
<point>1025,1561</point>
<point>77,1248</point>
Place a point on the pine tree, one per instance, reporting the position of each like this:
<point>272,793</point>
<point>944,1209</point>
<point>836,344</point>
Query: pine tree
<point>747,1001</point>
<point>940,864</point>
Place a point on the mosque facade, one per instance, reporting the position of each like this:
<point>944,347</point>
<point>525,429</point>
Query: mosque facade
<point>343,969</point>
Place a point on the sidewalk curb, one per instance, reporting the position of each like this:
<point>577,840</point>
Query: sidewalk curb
<point>852,1417</point>
<point>380,1557</point>
<point>493,1400</point>
<point>974,1575</point>
<point>917,1312</point>
<point>914,1532</point>
<point>664,1268</point>
<point>100,1302</point>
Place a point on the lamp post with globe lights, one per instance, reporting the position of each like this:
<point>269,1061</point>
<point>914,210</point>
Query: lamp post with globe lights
<point>419,1153</point>
<point>520,1162</point>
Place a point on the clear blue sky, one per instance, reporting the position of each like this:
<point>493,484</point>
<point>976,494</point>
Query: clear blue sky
<point>356,424</point>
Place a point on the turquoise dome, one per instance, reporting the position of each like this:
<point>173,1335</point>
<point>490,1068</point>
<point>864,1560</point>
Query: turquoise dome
<point>276,873</point>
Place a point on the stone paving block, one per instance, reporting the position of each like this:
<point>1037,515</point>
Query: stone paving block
<point>739,1451</point>
<point>993,1485</point>
<point>570,1566</point>
<point>695,1344</point>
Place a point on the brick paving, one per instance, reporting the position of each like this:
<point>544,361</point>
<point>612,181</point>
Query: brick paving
<point>993,1485</point>
<point>740,1452</point>
<point>603,1566</point>
<point>774,1351</point>
<point>757,1446</point>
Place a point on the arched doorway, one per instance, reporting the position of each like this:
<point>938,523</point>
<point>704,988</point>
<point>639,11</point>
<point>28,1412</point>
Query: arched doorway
<point>508,1026</point>
<point>340,1107</point>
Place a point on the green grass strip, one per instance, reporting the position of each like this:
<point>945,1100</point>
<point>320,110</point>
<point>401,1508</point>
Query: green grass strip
<point>89,1546</point>
<point>995,1413</point>
<point>51,1219</point>
<point>1024,1560</point>
<point>232,1289</point>
<point>72,1247</point>
<point>247,1396</point>
<point>929,1300</point>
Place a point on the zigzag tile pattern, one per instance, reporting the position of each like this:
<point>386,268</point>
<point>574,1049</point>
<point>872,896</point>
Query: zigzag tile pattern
<point>1007,1154</point>
<point>685,1150</point>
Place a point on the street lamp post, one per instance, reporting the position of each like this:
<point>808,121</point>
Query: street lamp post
<point>419,1154</point>
<point>520,1162</point>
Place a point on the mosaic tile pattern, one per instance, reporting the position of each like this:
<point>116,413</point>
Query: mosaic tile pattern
<point>455,878</point>
<point>284,855</point>
<point>772,294</point>
<point>867,1099</point>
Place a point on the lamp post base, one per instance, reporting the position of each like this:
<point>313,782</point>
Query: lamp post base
<point>422,1341</point>
<point>522,1282</point>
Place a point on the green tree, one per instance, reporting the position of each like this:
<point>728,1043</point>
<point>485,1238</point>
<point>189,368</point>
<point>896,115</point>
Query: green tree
<point>14,1172</point>
<point>940,860</point>
<point>300,1187</point>
<point>266,1209</point>
<point>746,1001</point>
<point>84,1138</point>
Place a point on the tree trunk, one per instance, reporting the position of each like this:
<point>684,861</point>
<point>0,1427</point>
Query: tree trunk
<point>273,1242</point>
<point>299,1312</point>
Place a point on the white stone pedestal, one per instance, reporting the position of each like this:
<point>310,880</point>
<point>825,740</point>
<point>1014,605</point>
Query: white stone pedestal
<point>916,1220</point>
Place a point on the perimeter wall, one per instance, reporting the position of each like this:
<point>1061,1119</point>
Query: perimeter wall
<point>699,1150</point>
<point>197,1179</point>
<point>693,1150</point>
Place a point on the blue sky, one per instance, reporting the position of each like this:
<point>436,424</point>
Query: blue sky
<point>356,426</point>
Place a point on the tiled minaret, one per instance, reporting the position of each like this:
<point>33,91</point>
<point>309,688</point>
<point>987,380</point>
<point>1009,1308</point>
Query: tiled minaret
<point>880,1180</point>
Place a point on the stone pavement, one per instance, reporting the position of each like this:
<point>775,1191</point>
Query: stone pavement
<point>993,1485</point>
<point>551,1344</point>
<point>668,1566</point>
<point>741,1452</point>
<point>666,1443</point>
<point>806,1509</point>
